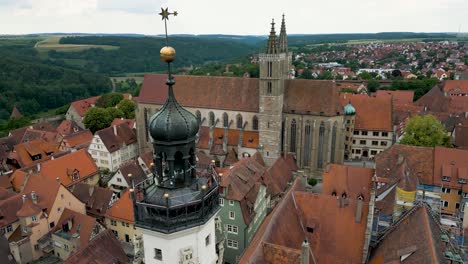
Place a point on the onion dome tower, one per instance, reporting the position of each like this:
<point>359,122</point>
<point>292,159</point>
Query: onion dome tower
<point>349,109</point>
<point>349,119</point>
<point>176,210</point>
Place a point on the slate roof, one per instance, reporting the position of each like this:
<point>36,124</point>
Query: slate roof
<point>64,167</point>
<point>418,235</point>
<point>372,113</point>
<point>97,199</point>
<point>103,249</point>
<point>114,141</point>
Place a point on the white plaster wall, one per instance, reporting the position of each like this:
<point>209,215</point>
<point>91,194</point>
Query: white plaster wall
<point>172,244</point>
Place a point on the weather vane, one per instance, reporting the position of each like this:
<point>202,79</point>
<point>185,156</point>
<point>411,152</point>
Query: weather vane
<point>167,53</point>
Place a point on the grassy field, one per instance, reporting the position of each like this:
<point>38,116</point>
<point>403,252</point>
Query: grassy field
<point>52,43</point>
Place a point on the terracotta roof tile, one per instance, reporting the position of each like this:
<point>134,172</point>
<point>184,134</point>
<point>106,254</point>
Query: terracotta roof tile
<point>399,96</point>
<point>352,181</point>
<point>82,106</point>
<point>32,134</point>
<point>122,209</point>
<point>371,113</point>
<point>103,249</point>
<point>203,137</point>
<point>311,97</point>
<point>130,122</point>
<point>418,235</point>
<point>133,168</point>
<point>65,166</point>
<point>15,113</point>
<point>68,127</point>
<point>451,160</point>
<point>115,136</point>
<point>97,199</point>
<point>8,208</point>
<point>28,208</point>
<point>436,101</point>
<point>203,92</point>
<point>45,188</point>
<point>24,152</point>
<point>456,87</point>
<point>147,158</point>
<point>461,136</point>
<point>80,224</point>
<point>81,138</point>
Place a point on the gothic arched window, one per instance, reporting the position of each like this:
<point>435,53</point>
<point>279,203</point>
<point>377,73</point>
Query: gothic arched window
<point>198,114</point>
<point>333,143</point>
<point>255,123</point>
<point>212,118</point>
<point>225,120</point>
<point>239,121</point>
<point>292,145</point>
<point>307,144</point>
<point>320,145</point>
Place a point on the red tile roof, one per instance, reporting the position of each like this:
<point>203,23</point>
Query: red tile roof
<point>82,106</point>
<point>68,127</point>
<point>349,180</point>
<point>133,168</point>
<point>450,162</point>
<point>461,135</point>
<point>436,101</point>
<point>399,96</point>
<point>203,137</point>
<point>97,199</point>
<point>103,249</point>
<point>64,167</point>
<point>418,235</point>
<point>203,92</point>
<point>24,152</point>
<point>28,208</point>
<point>115,137</point>
<point>9,205</point>
<point>456,87</point>
<point>77,139</point>
<point>15,113</point>
<point>372,113</point>
<point>129,122</point>
<point>122,209</point>
<point>45,188</point>
<point>80,224</point>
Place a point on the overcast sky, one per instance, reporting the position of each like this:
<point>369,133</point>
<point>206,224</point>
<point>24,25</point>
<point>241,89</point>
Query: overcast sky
<point>232,17</point>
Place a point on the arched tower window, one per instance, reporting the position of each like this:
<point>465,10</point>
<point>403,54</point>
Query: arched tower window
<point>270,69</point>
<point>198,114</point>
<point>239,121</point>
<point>255,123</point>
<point>320,145</point>
<point>212,118</point>
<point>333,143</point>
<point>292,146</point>
<point>307,144</point>
<point>225,120</point>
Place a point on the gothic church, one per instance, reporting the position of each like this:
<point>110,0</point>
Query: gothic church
<point>272,114</point>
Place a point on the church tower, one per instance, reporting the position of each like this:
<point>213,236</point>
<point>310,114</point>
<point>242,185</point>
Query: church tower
<point>176,210</point>
<point>274,70</point>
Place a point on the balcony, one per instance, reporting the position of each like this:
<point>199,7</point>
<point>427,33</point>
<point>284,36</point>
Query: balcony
<point>172,210</point>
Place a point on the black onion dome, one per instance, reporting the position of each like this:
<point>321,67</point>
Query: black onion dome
<point>173,122</point>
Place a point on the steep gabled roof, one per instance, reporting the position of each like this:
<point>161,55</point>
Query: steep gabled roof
<point>103,249</point>
<point>133,168</point>
<point>452,163</point>
<point>122,209</point>
<point>24,152</point>
<point>80,138</point>
<point>68,127</point>
<point>64,167</point>
<point>82,106</point>
<point>456,87</point>
<point>9,205</point>
<point>115,137</point>
<point>46,190</point>
<point>97,199</point>
<point>80,224</point>
<point>372,113</point>
<point>417,239</point>
<point>398,97</point>
<point>348,180</point>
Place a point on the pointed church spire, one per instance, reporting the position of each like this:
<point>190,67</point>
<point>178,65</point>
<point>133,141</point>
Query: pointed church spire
<point>272,48</point>
<point>283,41</point>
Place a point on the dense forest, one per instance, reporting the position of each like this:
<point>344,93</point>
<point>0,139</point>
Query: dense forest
<point>138,55</point>
<point>34,85</point>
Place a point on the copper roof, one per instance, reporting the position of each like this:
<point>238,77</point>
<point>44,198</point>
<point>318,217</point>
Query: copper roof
<point>115,137</point>
<point>372,113</point>
<point>348,180</point>
<point>103,249</point>
<point>64,167</point>
<point>418,235</point>
<point>203,92</point>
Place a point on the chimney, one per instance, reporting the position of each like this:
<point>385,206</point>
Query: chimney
<point>24,198</point>
<point>305,252</point>
<point>57,179</point>
<point>34,197</point>
<point>358,211</point>
<point>38,167</point>
<point>115,129</point>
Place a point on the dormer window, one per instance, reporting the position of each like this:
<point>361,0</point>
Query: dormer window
<point>361,197</point>
<point>446,178</point>
<point>461,181</point>
<point>343,195</point>
<point>75,176</point>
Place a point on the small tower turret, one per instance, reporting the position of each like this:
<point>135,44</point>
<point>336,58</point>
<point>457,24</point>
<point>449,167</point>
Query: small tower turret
<point>283,39</point>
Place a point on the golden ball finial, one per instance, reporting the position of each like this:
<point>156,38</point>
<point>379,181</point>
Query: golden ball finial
<point>167,54</point>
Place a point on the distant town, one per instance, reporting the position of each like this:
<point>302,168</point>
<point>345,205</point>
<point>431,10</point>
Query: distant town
<point>351,152</point>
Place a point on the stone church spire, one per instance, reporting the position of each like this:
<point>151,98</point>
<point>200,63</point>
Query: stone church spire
<point>283,40</point>
<point>272,44</point>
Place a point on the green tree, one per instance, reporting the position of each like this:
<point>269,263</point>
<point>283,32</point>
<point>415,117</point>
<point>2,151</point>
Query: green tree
<point>312,181</point>
<point>97,118</point>
<point>114,113</point>
<point>372,86</point>
<point>425,131</point>
<point>109,100</point>
<point>365,76</point>
<point>127,106</point>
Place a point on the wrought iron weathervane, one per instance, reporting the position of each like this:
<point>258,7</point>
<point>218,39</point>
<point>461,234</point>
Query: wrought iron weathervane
<point>167,53</point>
